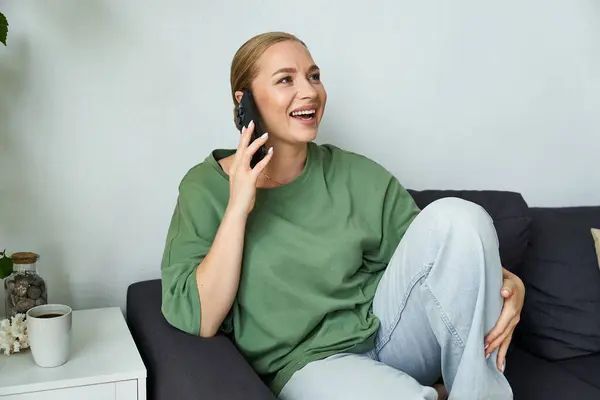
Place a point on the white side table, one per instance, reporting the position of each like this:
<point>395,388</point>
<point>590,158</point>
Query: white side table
<point>104,365</point>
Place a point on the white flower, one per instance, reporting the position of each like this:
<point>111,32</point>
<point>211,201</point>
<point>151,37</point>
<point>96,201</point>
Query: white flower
<point>5,341</point>
<point>19,326</point>
<point>13,335</point>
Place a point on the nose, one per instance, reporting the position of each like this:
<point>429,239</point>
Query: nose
<point>306,89</point>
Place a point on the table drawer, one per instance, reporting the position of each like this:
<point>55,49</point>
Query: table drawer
<point>124,390</point>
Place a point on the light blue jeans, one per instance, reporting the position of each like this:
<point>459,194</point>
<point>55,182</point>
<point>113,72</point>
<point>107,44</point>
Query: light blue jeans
<point>438,298</point>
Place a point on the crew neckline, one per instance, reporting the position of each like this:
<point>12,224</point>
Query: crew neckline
<point>279,191</point>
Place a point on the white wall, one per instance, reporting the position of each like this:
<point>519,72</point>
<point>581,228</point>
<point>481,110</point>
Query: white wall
<point>104,105</point>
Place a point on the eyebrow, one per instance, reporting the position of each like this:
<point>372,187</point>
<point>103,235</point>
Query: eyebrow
<point>293,70</point>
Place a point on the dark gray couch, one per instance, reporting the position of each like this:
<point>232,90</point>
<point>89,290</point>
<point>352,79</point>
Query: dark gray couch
<point>555,352</point>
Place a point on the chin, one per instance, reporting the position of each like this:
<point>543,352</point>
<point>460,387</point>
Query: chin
<point>304,135</point>
<point>303,131</point>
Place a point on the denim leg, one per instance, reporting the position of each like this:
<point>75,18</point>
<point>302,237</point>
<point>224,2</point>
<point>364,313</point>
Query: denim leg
<point>353,377</point>
<point>439,297</point>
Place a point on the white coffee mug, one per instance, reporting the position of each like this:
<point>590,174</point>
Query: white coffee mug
<point>49,334</point>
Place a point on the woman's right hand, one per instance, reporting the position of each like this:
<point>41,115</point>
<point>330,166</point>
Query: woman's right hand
<point>242,178</point>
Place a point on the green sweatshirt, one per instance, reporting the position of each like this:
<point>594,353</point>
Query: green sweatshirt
<point>314,252</point>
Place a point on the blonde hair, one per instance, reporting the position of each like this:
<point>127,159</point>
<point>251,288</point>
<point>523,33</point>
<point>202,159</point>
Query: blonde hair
<point>244,66</point>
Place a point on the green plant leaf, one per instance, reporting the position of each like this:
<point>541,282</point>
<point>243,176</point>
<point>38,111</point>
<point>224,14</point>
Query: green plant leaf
<point>6,265</point>
<point>3,28</point>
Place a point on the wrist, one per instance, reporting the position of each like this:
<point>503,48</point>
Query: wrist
<point>235,213</point>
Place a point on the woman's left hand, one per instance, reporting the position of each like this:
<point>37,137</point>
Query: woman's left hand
<point>513,291</point>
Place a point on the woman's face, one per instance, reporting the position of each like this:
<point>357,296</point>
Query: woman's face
<point>288,93</point>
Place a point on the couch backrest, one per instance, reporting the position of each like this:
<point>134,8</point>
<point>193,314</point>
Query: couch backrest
<point>509,211</point>
<point>561,316</point>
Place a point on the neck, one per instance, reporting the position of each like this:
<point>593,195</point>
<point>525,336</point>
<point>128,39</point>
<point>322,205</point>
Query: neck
<point>287,162</point>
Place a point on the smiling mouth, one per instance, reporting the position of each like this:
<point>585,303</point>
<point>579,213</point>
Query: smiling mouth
<point>304,115</point>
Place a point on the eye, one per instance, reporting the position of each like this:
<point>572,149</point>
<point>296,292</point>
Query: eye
<point>285,79</point>
<point>316,76</point>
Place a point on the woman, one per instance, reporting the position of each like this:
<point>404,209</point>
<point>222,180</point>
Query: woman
<point>330,280</point>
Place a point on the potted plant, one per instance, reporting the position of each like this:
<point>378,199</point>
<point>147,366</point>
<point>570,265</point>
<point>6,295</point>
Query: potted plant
<point>13,331</point>
<point>3,28</point>
<point>6,265</point>
<point>5,262</point>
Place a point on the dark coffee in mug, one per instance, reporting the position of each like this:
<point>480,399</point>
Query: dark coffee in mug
<point>50,315</point>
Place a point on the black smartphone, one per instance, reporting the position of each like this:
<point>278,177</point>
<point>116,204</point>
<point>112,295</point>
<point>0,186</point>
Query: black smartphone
<point>247,112</point>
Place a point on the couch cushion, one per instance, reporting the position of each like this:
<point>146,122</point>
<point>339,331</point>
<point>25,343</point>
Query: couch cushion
<point>533,378</point>
<point>561,315</point>
<point>508,210</point>
<point>586,368</point>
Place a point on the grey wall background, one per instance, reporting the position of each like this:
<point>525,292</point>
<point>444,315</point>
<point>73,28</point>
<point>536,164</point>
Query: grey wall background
<point>104,105</point>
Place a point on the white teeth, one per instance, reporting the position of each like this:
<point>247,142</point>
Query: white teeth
<point>304,112</point>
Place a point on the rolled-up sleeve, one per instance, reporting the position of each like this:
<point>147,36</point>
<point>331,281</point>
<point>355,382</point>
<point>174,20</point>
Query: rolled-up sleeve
<point>189,238</point>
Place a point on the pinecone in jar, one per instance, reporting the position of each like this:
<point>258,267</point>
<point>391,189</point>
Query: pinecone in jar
<point>11,301</point>
<point>13,298</point>
<point>21,286</point>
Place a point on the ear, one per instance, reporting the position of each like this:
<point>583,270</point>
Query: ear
<point>238,96</point>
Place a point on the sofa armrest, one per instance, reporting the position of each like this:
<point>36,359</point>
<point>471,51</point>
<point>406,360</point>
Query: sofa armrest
<point>183,366</point>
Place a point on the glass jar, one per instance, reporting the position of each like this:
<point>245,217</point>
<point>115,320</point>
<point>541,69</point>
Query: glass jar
<point>24,288</point>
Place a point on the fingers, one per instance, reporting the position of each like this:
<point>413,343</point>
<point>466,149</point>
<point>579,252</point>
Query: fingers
<point>249,152</point>
<point>503,350</point>
<point>501,325</point>
<point>244,140</point>
<point>258,168</point>
<point>500,339</point>
<point>508,288</point>
<point>512,283</point>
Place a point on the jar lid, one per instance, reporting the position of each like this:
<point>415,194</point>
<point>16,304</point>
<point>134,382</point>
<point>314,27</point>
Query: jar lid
<point>24,257</point>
